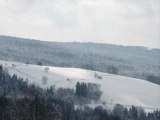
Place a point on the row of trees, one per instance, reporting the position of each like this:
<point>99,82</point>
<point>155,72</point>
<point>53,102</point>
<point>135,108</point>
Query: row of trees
<point>153,78</point>
<point>22,101</point>
<point>88,90</point>
<point>81,89</point>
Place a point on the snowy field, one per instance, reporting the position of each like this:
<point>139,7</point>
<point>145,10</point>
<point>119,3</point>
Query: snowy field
<point>116,89</point>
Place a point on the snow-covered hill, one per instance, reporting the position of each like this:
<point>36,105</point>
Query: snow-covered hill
<point>115,88</point>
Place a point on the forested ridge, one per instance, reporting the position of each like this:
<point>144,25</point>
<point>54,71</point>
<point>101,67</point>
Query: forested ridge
<point>137,62</point>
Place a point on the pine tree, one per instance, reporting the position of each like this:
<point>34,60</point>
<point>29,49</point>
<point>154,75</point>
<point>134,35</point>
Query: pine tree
<point>78,92</point>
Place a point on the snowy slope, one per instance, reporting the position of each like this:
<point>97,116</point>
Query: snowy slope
<point>115,88</point>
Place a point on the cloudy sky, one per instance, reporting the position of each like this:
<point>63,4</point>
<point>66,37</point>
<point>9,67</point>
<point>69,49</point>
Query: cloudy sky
<point>126,22</point>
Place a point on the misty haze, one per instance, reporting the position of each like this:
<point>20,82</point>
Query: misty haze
<point>79,60</point>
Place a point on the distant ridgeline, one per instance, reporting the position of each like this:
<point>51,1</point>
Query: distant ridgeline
<point>137,62</point>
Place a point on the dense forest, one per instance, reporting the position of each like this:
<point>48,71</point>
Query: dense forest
<point>137,62</point>
<point>20,100</point>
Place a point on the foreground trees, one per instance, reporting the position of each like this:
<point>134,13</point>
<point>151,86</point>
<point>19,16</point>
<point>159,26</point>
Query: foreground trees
<point>22,101</point>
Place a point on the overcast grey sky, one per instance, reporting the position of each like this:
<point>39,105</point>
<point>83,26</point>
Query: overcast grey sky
<point>126,22</point>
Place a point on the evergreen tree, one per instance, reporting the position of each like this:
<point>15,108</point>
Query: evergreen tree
<point>78,92</point>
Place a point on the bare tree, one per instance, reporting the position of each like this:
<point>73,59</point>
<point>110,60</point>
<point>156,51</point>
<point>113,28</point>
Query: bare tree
<point>97,76</point>
<point>44,80</point>
<point>46,69</point>
<point>13,65</point>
